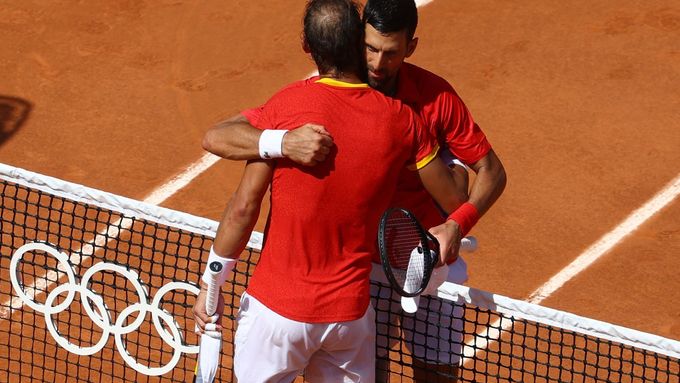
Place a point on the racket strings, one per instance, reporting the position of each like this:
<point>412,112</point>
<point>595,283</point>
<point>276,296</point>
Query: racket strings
<point>403,236</point>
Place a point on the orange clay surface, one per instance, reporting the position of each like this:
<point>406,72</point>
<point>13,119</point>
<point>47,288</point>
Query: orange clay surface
<point>579,99</point>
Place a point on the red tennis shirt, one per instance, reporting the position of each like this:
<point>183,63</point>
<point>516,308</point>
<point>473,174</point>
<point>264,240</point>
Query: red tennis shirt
<point>321,232</point>
<point>446,117</point>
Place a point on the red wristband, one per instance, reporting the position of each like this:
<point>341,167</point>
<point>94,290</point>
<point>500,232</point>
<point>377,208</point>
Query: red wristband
<point>466,216</point>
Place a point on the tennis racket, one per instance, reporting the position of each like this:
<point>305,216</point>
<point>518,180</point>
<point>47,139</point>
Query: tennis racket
<point>211,340</point>
<point>409,253</point>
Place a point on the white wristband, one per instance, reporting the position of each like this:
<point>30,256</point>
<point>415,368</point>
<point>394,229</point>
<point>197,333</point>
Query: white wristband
<point>228,265</point>
<point>271,143</point>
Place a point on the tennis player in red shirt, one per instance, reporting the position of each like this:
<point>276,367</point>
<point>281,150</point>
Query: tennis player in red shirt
<point>307,304</point>
<point>390,29</point>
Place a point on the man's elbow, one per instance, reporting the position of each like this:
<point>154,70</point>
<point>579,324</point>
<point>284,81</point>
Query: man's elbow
<point>501,179</point>
<point>462,181</point>
<point>208,142</point>
<point>244,209</point>
<point>492,169</point>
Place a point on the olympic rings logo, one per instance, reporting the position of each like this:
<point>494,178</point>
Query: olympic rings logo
<point>100,313</point>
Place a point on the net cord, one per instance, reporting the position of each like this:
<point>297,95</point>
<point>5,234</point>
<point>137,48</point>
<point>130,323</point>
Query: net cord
<point>568,321</point>
<point>120,204</point>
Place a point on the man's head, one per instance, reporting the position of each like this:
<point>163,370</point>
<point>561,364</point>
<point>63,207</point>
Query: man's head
<point>333,35</point>
<point>390,27</point>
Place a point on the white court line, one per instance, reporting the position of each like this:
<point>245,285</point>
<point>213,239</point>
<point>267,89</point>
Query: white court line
<point>588,257</point>
<point>609,240</point>
<point>156,197</point>
<point>181,180</point>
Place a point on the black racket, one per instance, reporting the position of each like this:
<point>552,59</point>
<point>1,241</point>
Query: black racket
<point>408,253</point>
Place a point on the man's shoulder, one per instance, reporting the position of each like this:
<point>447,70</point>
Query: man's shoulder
<point>427,81</point>
<point>295,93</point>
<point>393,105</point>
<point>297,86</point>
<point>428,88</point>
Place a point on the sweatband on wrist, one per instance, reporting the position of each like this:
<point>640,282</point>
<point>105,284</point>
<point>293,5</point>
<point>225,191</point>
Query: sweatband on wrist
<point>466,216</point>
<point>271,143</point>
<point>228,265</point>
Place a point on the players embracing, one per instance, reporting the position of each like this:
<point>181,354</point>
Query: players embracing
<point>389,39</point>
<point>307,304</point>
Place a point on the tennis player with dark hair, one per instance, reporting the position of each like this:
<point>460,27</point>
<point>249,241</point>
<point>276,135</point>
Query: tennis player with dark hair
<point>307,303</point>
<point>390,30</point>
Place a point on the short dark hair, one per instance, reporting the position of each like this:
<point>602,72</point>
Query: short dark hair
<point>334,33</point>
<point>388,16</point>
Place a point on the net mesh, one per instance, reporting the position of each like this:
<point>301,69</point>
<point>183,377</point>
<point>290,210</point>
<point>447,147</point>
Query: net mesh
<point>113,302</point>
<point>499,348</point>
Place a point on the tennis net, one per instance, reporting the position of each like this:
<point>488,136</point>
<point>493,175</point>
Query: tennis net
<point>98,287</point>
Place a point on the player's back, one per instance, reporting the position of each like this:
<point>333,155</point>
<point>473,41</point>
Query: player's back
<point>322,225</point>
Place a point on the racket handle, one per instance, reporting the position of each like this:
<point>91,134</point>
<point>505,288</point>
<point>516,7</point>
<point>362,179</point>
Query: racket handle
<point>215,271</point>
<point>468,244</point>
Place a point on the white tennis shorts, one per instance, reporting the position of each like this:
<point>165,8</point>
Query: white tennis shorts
<point>434,333</point>
<point>271,348</point>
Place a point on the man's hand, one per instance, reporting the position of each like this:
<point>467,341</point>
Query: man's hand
<point>448,235</point>
<point>307,145</point>
<point>201,316</point>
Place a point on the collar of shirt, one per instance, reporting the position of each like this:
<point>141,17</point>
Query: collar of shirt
<point>338,83</point>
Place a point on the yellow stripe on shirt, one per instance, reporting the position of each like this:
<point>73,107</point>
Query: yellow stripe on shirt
<point>421,164</point>
<point>342,84</point>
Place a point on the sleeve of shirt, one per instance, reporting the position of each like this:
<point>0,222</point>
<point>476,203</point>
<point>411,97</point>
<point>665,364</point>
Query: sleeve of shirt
<point>253,115</point>
<point>461,134</point>
<point>264,116</point>
<point>425,147</point>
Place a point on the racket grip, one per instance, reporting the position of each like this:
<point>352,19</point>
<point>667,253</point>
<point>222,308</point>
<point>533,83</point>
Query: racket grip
<point>215,271</point>
<point>468,244</point>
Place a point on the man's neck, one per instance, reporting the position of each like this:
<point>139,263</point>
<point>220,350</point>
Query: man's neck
<point>390,88</point>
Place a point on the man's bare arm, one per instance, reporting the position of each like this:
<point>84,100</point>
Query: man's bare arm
<point>233,139</point>
<point>236,139</point>
<point>234,230</point>
<point>439,182</point>
<point>489,182</point>
<point>243,210</point>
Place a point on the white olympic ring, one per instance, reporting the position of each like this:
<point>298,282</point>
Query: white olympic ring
<point>100,314</point>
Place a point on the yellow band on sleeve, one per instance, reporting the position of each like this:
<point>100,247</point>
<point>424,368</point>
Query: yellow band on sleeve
<point>421,164</point>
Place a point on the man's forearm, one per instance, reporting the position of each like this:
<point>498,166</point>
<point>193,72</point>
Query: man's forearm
<point>243,210</point>
<point>236,139</point>
<point>488,184</point>
<point>234,231</point>
<point>233,139</point>
<point>232,235</point>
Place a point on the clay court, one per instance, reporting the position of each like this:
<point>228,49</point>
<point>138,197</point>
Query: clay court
<point>580,100</point>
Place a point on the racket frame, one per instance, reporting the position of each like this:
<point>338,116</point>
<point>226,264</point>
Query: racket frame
<point>428,243</point>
